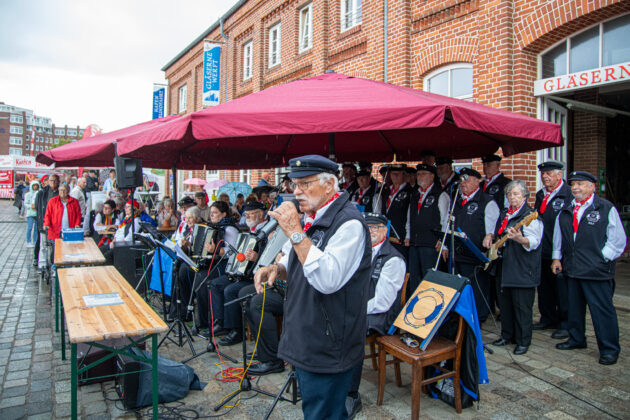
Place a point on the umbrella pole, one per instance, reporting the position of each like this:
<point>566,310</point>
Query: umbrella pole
<point>174,172</point>
<point>331,147</point>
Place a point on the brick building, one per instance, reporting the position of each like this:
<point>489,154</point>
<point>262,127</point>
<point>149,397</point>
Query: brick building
<point>23,132</point>
<point>567,61</point>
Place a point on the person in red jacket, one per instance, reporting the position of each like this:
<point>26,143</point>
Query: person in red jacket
<point>62,212</point>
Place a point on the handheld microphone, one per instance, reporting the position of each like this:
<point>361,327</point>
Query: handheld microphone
<point>462,177</point>
<point>273,223</point>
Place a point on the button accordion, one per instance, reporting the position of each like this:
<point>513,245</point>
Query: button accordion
<point>236,268</point>
<point>202,235</point>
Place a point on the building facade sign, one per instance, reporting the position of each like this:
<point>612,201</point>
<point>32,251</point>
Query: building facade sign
<point>211,73</point>
<point>159,92</point>
<point>583,79</point>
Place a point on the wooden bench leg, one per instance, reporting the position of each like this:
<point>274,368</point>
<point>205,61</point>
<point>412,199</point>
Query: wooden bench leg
<point>457,391</point>
<point>381,374</point>
<point>373,355</point>
<point>397,372</point>
<point>416,390</point>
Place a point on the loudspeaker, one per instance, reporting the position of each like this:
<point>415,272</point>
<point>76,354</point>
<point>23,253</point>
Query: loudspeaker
<point>128,172</point>
<point>127,380</point>
<point>87,354</point>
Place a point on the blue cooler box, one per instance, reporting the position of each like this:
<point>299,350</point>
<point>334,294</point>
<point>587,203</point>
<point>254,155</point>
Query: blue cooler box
<point>72,235</point>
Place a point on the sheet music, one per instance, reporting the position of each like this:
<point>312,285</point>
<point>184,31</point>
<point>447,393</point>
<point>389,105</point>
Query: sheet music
<point>102,299</point>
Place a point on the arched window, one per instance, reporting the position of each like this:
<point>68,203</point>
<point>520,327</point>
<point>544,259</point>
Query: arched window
<point>455,80</point>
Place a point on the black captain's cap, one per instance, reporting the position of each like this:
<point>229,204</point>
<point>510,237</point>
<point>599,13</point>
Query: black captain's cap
<point>349,165</point>
<point>581,176</point>
<point>425,167</point>
<point>470,172</point>
<point>411,170</point>
<point>550,165</point>
<point>363,172</point>
<point>185,201</point>
<point>393,167</point>
<point>491,158</point>
<point>311,165</point>
<point>375,218</point>
<point>443,160</point>
<point>254,205</point>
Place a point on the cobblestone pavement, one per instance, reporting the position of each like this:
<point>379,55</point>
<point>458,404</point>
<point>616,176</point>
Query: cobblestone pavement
<point>35,383</point>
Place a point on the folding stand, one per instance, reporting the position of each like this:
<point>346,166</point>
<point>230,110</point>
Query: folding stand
<point>290,383</point>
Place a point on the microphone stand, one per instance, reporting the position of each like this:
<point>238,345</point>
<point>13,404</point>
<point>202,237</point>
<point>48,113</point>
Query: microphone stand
<point>449,228</point>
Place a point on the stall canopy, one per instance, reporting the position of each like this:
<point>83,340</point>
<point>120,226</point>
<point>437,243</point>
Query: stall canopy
<point>96,151</point>
<point>335,115</point>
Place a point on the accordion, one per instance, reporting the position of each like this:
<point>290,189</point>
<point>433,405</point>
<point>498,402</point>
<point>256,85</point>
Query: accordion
<point>202,235</point>
<point>244,242</point>
<point>272,249</point>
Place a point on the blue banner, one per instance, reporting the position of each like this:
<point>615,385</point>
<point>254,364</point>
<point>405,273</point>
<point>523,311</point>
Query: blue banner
<point>211,74</point>
<point>159,92</point>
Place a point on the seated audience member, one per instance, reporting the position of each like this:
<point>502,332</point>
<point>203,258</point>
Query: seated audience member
<point>386,281</point>
<point>234,213</point>
<point>62,212</point>
<point>201,199</point>
<point>167,216</point>
<point>124,233</point>
<point>144,216</point>
<point>105,222</point>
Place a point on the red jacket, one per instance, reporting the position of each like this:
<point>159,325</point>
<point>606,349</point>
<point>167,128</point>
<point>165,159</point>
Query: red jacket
<point>54,214</point>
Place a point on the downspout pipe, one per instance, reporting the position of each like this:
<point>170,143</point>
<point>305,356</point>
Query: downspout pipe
<point>227,59</point>
<point>385,30</point>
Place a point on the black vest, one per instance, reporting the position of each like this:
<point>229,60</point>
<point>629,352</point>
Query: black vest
<point>471,220</point>
<point>381,322</point>
<point>425,222</point>
<point>582,258</point>
<point>562,198</point>
<point>518,267</point>
<point>367,200</point>
<point>496,190</point>
<point>325,333</point>
<point>397,212</point>
<point>449,184</point>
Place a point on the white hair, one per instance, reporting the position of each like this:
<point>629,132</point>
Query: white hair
<point>520,184</point>
<point>325,176</point>
<point>194,212</point>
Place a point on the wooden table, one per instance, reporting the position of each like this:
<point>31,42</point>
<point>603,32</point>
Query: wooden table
<point>73,254</point>
<point>88,324</point>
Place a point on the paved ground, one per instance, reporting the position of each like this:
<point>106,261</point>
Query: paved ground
<point>34,382</point>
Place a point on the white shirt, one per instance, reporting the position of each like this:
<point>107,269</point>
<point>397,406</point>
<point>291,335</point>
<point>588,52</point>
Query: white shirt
<point>443,207</point>
<point>615,234</point>
<point>491,215</point>
<point>389,283</point>
<point>77,193</point>
<point>533,232</point>
<point>98,220</point>
<point>377,207</point>
<point>553,193</point>
<point>108,185</point>
<point>65,223</point>
<point>120,232</point>
<point>329,270</point>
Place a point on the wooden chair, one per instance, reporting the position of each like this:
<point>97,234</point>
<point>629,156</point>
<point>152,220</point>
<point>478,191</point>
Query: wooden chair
<point>371,339</point>
<point>440,349</point>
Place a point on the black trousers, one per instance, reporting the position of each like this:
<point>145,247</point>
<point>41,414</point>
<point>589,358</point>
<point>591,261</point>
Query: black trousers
<point>203,294</point>
<point>598,295</point>
<point>516,314</point>
<point>421,260</point>
<point>480,285</point>
<point>224,290</point>
<point>357,371</point>
<point>553,302</point>
<point>37,245</point>
<point>182,290</point>
<point>267,349</point>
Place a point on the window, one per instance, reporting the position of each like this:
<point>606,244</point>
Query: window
<point>306,28</point>
<point>56,141</point>
<point>274,45</point>
<point>18,119</point>
<point>16,141</point>
<point>15,130</point>
<point>81,133</point>
<point>72,132</point>
<point>60,131</point>
<point>183,97</point>
<point>26,147</point>
<point>15,151</point>
<point>247,60</point>
<point>455,81</point>
<point>351,13</point>
<point>601,45</point>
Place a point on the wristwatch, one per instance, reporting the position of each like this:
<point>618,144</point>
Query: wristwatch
<point>297,237</point>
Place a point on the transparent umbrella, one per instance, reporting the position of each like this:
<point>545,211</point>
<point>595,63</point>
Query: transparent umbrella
<point>235,188</point>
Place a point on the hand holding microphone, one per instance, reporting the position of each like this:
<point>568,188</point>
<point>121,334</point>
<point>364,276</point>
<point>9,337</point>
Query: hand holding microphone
<point>287,216</point>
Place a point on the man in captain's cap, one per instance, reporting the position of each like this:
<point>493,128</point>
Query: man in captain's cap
<point>411,177</point>
<point>476,214</point>
<point>553,303</point>
<point>588,237</point>
<point>494,181</point>
<point>366,194</point>
<point>394,204</point>
<point>446,177</point>
<point>327,265</point>
<point>349,173</point>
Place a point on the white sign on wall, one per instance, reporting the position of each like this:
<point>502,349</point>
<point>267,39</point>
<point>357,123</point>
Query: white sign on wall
<point>583,79</point>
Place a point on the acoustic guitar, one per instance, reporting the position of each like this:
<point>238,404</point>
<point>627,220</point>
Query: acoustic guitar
<point>493,252</point>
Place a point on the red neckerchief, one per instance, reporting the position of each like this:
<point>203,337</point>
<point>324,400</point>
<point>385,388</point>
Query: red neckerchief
<point>543,205</point>
<point>510,212</point>
<point>576,208</point>
<point>383,240</point>
<point>392,193</point>
<point>307,225</point>
<point>465,198</point>
<point>361,192</point>
<point>443,183</point>
<point>422,193</point>
<point>487,181</point>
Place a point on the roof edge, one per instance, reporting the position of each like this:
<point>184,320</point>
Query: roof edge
<point>201,37</point>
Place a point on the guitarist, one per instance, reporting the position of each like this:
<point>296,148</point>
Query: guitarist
<point>518,272</point>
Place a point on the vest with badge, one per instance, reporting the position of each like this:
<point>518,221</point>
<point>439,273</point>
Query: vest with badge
<point>582,258</point>
<point>381,322</point>
<point>325,333</point>
<point>470,218</point>
<point>518,267</point>
<point>496,190</point>
<point>425,222</point>
<point>366,200</point>
<point>562,198</point>
<point>397,212</point>
<point>450,184</point>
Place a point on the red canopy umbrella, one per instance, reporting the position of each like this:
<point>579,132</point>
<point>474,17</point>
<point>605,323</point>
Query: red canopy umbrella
<point>332,114</point>
<point>96,151</point>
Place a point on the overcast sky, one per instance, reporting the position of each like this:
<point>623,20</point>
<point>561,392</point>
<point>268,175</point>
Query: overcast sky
<point>94,62</point>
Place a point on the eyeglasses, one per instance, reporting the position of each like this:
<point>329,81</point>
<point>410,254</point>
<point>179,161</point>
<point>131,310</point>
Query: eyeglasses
<point>302,185</point>
<point>375,227</point>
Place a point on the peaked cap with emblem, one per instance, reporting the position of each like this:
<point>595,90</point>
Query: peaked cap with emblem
<point>394,167</point>
<point>491,158</point>
<point>550,165</point>
<point>254,205</point>
<point>375,218</point>
<point>425,167</point>
<point>308,165</point>
<point>582,176</point>
<point>470,172</point>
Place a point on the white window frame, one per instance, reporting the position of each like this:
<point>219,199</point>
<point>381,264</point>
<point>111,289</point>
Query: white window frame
<point>248,59</point>
<point>56,141</point>
<point>58,131</point>
<point>14,129</point>
<point>16,151</point>
<point>305,41</point>
<point>72,132</point>
<point>17,119</point>
<point>275,45</point>
<point>15,141</point>
<point>351,14</point>
<point>449,68</point>
<point>183,97</point>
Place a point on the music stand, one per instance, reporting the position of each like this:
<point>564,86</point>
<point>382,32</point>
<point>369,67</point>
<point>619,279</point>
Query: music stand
<point>157,246</point>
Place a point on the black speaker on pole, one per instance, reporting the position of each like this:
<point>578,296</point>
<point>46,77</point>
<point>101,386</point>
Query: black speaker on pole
<point>128,172</point>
